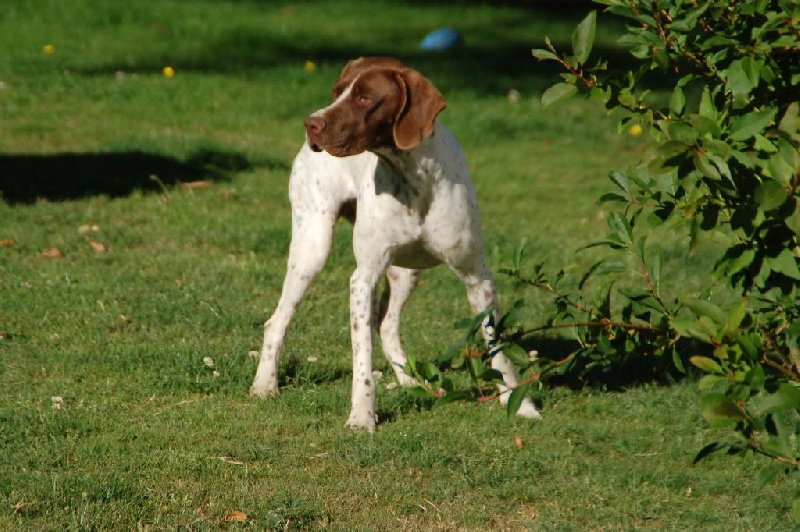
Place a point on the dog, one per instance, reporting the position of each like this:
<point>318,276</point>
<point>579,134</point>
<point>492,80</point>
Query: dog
<point>378,156</point>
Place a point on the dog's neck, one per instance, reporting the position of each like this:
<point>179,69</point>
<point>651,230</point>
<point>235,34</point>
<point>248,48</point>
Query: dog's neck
<point>415,161</point>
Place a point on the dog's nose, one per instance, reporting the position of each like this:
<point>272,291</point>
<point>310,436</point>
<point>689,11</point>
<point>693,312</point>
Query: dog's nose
<point>315,125</point>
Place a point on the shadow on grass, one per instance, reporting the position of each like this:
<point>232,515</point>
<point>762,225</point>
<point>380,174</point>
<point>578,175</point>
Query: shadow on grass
<point>67,176</point>
<point>615,375</point>
<point>493,59</point>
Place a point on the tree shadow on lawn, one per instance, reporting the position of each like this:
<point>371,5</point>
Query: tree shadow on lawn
<point>493,63</point>
<point>68,176</point>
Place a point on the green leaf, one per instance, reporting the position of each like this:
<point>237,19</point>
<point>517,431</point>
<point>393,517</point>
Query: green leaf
<point>419,392</point>
<point>704,308</point>
<point>677,101</point>
<point>476,366</point>
<point>777,446</point>
<point>746,126</point>
<point>708,365</point>
<point>786,398</point>
<point>613,196</point>
<point>703,163</point>
<point>558,93</point>
<point>583,37</point>
<point>739,83</point>
<point>516,353</point>
<point>736,314</point>
<point>519,252</point>
<point>447,385</point>
<point>737,259</point>
<point>680,131</point>
<point>689,327</point>
<point>780,170</point>
<point>621,227</point>
<point>515,399</point>
<point>709,381</point>
<point>762,143</point>
<point>707,107</point>
<point>717,147</point>
<point>786,263</point>
<point>770,195</point>
<point>543,55</point>
<point>492,375</point>
<point>678,361</point>
<point>767,473</point>
<point>428,371</point>
<point>717,407</point>
<point>788,123</point>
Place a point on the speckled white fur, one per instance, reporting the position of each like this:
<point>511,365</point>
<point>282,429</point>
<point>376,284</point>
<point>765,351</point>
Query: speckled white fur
<point>416,209</point>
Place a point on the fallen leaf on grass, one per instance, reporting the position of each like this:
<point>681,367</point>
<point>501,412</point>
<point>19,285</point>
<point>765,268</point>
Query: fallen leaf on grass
<point>5,242</point>
<point>518,442</point>
<point>20,506</point>
<point>99,247</point>
<point>191,185</point>
<point>235,516</point>
<point>52,253</point>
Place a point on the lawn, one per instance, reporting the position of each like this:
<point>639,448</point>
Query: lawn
<point>144,225</point>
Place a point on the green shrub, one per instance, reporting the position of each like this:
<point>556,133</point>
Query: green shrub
<point>716,86</point>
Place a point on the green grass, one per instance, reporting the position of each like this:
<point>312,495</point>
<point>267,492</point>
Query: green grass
<point>147,436</point>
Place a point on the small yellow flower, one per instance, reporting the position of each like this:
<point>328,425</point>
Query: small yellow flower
<point>310,66</point>
<point>168,72</point>
<point>635,130</point>
<point>49,49</point>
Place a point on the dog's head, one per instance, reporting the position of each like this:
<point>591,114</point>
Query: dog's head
<point>377,103</point>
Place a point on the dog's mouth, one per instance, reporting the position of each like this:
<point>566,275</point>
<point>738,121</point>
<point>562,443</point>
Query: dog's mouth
<point>337,149</point>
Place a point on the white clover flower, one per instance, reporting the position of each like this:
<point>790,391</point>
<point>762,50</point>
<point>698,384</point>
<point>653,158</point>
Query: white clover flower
<point>57,401</point>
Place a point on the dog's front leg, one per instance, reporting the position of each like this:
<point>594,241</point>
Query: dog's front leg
<point>312,234</point>
<point>362,293</point>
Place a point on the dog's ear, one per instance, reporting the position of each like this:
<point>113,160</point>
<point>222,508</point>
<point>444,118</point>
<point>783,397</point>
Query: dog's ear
<point>423,103</point>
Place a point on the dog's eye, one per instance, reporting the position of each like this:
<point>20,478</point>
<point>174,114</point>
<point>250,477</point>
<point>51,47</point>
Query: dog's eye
<point>363,99</point>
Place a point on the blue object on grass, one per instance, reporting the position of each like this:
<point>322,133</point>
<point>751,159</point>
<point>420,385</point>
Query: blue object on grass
<point>441,39</point>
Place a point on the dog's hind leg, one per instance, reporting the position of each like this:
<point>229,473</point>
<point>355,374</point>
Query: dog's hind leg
<point>400,282</point>
<point>482,294</point>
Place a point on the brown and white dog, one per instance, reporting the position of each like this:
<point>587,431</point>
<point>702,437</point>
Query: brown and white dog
<point>379,150</point>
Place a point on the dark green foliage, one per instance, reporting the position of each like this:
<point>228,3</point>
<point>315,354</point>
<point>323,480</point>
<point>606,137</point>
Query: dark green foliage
<point>716,86</point>
<point>724,117</point>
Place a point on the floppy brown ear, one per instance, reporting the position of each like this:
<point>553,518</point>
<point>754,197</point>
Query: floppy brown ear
<point>417,115</point>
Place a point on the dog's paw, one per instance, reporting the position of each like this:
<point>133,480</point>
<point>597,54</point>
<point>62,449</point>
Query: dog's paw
<point>528,410</point>
<point>361,421</point>
<point>263,391</point>
<point>404,380</point>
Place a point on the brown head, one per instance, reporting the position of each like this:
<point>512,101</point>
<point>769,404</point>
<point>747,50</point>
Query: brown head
<point>378,103</point>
